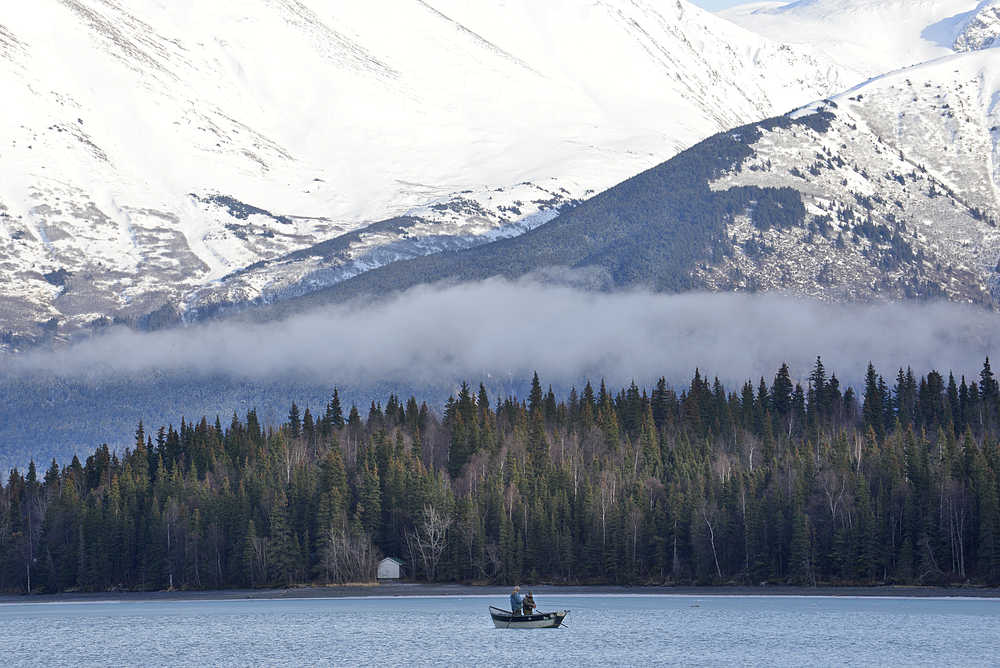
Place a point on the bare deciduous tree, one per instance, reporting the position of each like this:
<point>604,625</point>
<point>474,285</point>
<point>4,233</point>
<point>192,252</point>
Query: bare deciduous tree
<point>607,499</point>
<point>428,539</point>
<point>493,559</point>
<point>834,487</point>
<point>749,444</point>
<point>37,505</point>
<point>170,517</point>
<point>348,557</point>
<point>261,560</point>
<point>705,512</point>
<point>293,455</point>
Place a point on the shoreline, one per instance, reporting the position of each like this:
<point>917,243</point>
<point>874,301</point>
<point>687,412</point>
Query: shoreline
<point>405,589</point>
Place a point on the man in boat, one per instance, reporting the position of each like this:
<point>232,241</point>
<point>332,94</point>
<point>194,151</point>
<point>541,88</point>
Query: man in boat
<point>529,604</point>
<point>516,601</point>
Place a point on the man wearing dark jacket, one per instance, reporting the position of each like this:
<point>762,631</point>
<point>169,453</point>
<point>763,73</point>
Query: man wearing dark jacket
<point>529,604</point>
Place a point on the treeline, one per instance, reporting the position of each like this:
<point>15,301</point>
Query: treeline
<point>775,482</point>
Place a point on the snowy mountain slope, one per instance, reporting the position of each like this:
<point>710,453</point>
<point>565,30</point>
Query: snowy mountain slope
<point>451,223</point>
<point>982,29</point>
<point>869,37</point>
<point>904,189</point>
<point>887,191</point>
<point>149,148</point>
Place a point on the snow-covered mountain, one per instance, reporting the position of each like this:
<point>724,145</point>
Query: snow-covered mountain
<point>150,148</point>
<point>888,191</point>
<point>872,37</point>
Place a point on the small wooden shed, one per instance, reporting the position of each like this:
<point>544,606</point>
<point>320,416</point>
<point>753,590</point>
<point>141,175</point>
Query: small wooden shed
<point>388,569</point>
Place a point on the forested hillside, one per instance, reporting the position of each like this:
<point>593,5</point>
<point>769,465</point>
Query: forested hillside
<point>773,482</point>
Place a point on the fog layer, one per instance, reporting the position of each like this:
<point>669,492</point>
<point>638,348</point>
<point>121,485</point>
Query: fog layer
<point>497,328</point>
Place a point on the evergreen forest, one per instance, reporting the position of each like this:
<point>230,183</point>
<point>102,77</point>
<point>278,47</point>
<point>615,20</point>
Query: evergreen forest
<point>771,482</point>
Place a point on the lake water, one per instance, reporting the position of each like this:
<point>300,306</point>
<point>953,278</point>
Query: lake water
<point>601,630</point>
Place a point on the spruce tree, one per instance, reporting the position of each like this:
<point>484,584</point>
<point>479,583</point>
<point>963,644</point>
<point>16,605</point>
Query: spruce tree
<point>282,546</point>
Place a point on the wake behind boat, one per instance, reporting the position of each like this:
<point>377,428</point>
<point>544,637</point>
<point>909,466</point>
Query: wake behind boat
<point>504,619</point>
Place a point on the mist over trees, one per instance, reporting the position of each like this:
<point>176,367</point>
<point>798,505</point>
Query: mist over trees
<point>67,400</point>
<point>768,482</point>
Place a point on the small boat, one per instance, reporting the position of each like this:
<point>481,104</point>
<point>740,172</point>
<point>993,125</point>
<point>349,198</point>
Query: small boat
<point>504,619</point>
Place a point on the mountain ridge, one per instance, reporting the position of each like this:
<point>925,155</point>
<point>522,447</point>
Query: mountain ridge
<point>128,125</point>
<point>843,199</point>
<point>868,37</point>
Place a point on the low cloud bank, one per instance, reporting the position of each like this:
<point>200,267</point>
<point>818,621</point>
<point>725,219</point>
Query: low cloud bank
<point>434,335</point>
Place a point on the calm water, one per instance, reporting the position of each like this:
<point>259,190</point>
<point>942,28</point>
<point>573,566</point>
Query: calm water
<point>602,630</point>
